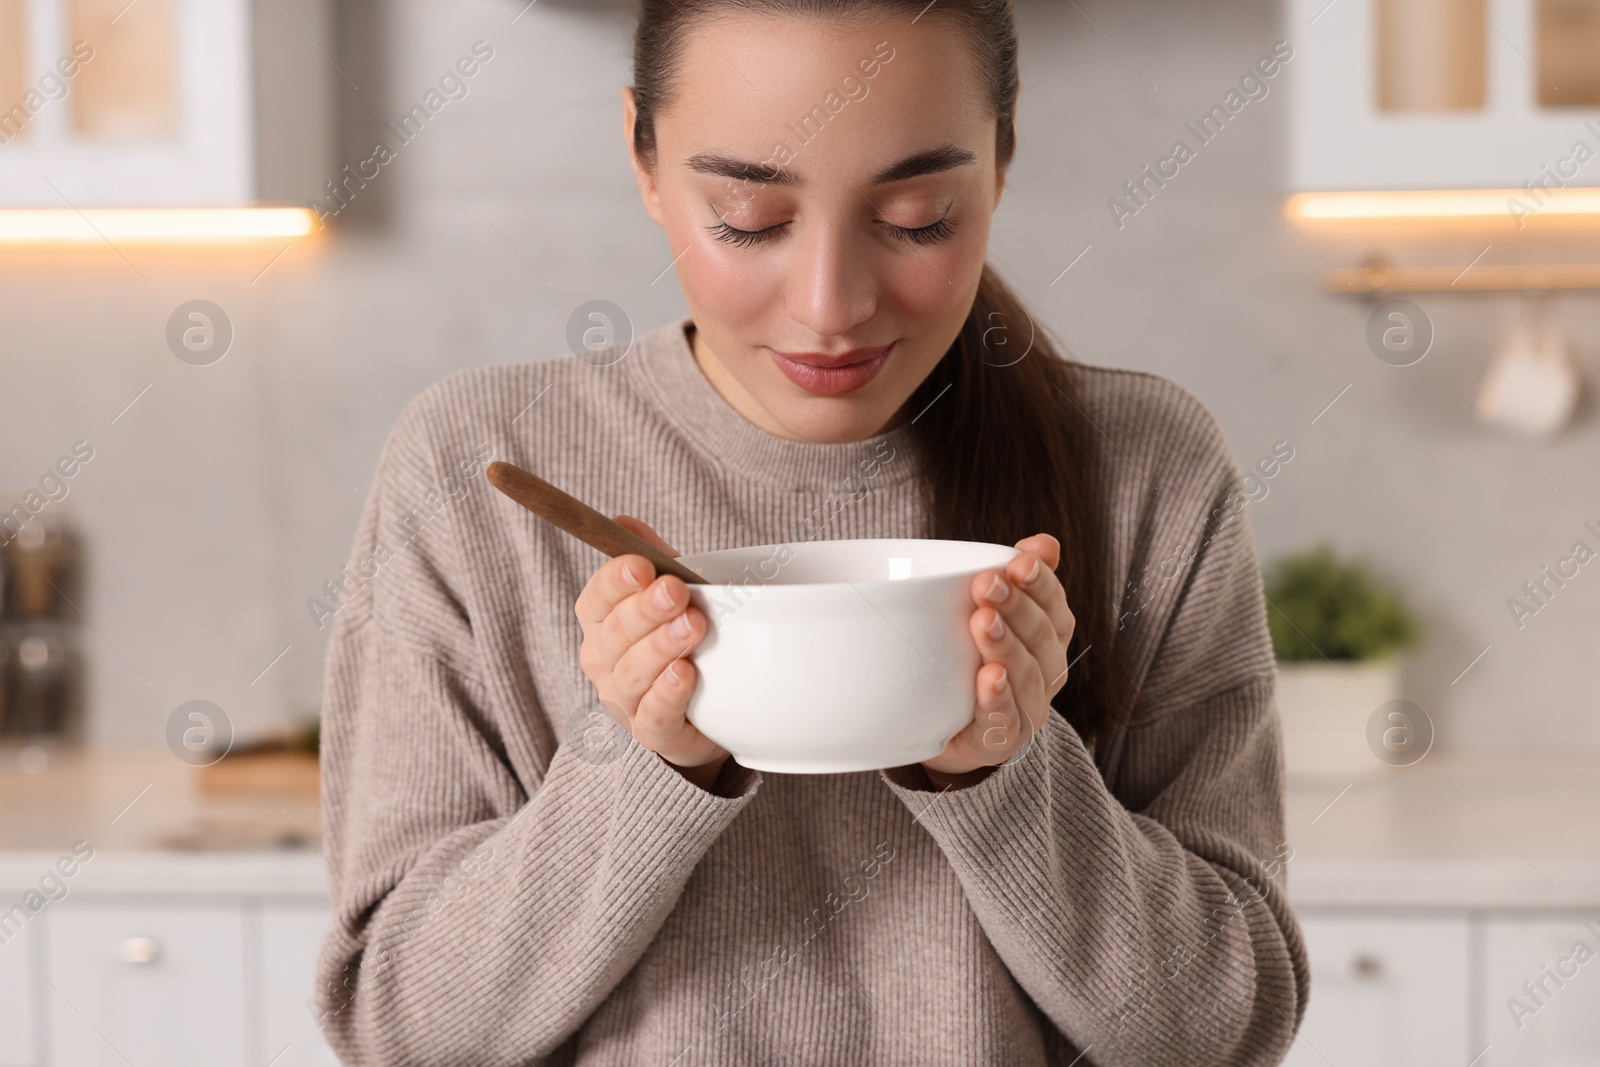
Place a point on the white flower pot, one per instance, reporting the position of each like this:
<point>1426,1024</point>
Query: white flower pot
<point>1325,709</point>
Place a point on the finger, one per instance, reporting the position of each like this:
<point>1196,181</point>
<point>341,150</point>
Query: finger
<point>662,601</point>
<point>663,725</point>
<point>996,726</point>
<point>1045,587</point>
<point>659,718</point>
<point>609,586</point>
<point>990,738</point>
<point>642,528</point>
<point>1023,615</point>
<point>1044,546</point>
<point>640,664</point>
<point>1024,674</point>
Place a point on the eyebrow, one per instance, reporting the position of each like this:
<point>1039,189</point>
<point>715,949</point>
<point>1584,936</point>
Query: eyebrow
<point>933,161</point>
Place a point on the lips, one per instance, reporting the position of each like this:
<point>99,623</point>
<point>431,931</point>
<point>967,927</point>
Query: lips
<point>826,362</point>
<point>831,375</point>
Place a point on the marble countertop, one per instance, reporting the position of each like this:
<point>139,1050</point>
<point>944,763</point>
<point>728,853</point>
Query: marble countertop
<point>152,826</point>
<point>1467,830</point>
<point>1458,830</point>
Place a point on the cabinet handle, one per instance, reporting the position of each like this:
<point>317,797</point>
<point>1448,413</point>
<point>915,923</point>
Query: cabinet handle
<point>1367,967</point>
<point>139,951</point>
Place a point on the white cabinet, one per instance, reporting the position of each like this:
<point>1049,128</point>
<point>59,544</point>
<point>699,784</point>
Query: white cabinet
<point>18,1004</point>
<point>1386,992</point>
<point>1443,94</point>
<point>154,958</point>
<point>146,985</point>
<point>164,103</point>
<point>1543,991</point>
<point>207,982</point>
<point>218,981</point>
<point>290,937</point>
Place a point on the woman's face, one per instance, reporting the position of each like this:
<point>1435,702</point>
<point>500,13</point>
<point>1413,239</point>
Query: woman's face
<point>827,188</point>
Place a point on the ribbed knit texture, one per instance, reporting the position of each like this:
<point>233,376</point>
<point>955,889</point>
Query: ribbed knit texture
<point>511,889</point>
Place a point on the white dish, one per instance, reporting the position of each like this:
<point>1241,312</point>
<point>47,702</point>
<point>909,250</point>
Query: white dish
<point>827,657</point>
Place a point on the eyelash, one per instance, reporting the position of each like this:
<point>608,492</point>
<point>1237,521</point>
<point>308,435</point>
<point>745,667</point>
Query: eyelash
<point>922,235</point>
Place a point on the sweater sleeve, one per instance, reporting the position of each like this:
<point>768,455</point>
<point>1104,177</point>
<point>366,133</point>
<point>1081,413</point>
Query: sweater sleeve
<point>477,918</point>
<point>1150,925</point>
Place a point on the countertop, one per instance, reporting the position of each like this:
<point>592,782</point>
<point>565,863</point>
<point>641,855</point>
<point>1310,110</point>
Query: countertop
<point>1457,830</point>
<point>153,828</point>
<point>1468,830</point>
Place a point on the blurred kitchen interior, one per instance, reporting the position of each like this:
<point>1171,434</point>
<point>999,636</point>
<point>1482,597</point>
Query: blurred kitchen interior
<point>211,499</point>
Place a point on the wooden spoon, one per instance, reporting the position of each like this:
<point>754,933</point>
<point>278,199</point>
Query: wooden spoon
<point>580,520</point>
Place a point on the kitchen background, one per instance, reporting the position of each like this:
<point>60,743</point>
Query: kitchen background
<point>221,502</point>
<point>221,497</point>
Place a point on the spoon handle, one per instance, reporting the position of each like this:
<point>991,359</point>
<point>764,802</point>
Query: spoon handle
<point>580,520</point>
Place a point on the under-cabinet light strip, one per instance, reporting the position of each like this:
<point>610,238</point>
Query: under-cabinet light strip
<point>68,226</point>
<point>1512,204</point>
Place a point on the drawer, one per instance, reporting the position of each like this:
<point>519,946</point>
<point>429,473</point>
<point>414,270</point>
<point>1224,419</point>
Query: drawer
<point>290,937</point>
<point>1543,979</point>
<point>146,985</point>
<point>19,1008</point>
<point>1386,992</point>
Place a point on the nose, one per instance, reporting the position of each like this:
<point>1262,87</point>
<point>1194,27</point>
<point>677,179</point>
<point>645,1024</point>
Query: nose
<point>831,288</point>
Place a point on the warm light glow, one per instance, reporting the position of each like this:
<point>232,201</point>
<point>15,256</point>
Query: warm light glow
<point>1511,204</point>
<point>173,226</point>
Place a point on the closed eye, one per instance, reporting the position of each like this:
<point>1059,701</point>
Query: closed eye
<point>924,235</point>
<point>921,235</point>
<point>744,238</point>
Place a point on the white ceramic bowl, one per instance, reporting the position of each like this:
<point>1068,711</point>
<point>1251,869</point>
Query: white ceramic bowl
<point>831,656</point>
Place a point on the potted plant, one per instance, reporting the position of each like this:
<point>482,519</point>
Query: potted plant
<point>1337,631</point>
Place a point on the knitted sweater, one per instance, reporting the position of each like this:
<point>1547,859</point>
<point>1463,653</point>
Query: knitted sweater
<point>516,880</point>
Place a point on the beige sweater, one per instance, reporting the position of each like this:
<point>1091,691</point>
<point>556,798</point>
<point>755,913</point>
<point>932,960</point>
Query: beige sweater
<point>515,884</point>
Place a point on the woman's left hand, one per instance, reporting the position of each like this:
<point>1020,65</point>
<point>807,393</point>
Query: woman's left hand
<point>1022,668</point>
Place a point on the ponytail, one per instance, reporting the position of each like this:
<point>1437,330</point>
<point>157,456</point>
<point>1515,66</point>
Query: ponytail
<point>1006,454</point>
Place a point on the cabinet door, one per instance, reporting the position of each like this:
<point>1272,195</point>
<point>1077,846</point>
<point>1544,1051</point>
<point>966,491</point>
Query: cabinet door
<point>1385,992</point>
<point>1543,979</point>
<point>18,1008</point>
<point>146,985</point>
<point>290,937</point>
<point>1405,94</point>
<point>154,106</point>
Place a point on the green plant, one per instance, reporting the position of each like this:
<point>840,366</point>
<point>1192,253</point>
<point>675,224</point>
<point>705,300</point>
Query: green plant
<point>1322,606</point>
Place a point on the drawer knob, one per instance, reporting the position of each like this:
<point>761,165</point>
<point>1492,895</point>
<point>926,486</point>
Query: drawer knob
<point>139,951</point>
<point>1367,967</point>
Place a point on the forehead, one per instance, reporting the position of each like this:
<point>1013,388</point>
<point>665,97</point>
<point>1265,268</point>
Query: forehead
<point>872,89</point>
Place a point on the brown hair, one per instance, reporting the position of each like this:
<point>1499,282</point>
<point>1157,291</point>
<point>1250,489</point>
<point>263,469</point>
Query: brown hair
<point>1006,451</point>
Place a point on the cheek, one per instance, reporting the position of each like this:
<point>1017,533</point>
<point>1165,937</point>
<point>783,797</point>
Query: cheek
<point>922,287</point>
<point>929,293</point>
<point>733,284</point>
<point>927,282</point>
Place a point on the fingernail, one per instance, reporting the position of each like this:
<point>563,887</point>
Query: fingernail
<point>998,590</point>
<point>680,626</point>
<point>1000,682</point>
<point>662,597</point>
<point>629,577</point>
<point>1034,572</point>
<point>672,676</point>
<point>997,629</point>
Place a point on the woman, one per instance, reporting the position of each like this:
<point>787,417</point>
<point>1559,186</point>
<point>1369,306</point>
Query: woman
<point>1089,873</point>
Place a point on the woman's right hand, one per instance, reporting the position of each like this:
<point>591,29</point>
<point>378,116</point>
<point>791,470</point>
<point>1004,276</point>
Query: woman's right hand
<point>637,629</point>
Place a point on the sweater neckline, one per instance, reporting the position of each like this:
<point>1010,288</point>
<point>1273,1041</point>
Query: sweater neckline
<point>714,427</point>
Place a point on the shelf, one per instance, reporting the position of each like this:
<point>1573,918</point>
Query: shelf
<point>1379,277</point>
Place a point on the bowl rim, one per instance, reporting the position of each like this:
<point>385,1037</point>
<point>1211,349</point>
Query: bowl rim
<point>870,583</point>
